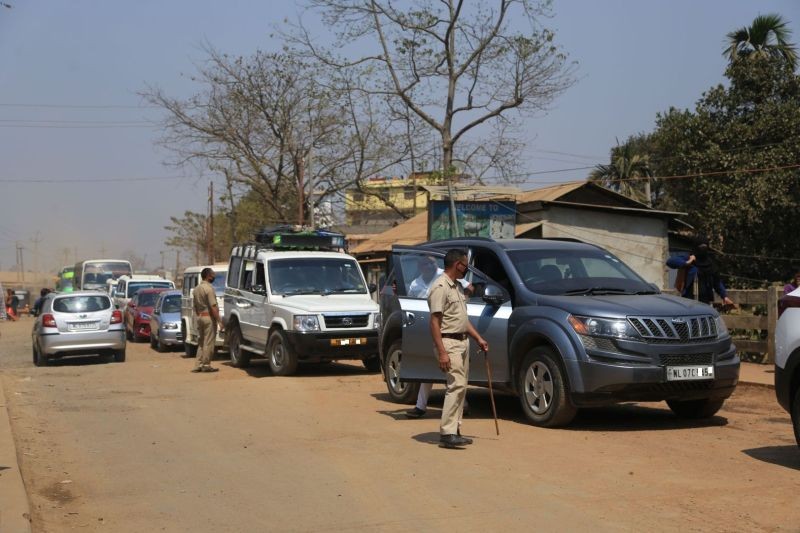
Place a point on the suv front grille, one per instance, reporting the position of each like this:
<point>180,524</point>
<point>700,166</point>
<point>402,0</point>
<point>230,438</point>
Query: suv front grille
<point>686,359</point>
<point>346,321</point>
<point>670,330</point>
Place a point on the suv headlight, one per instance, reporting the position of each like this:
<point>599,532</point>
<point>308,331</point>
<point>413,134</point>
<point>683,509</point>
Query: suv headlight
<point>376,320</point>
<point>306,323</point>
<point>614,328</point>
<point>722,329</point>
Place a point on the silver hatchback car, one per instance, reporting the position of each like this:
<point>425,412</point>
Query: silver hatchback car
<point>165,322</point>
<point>77,323</point>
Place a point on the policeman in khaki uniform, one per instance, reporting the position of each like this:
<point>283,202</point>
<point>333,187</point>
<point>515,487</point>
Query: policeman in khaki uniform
<point>204,300</point>
<point>450,328</point>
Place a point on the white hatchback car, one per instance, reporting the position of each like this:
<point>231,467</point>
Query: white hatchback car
<point>77,323</point>
<point>787,357</point>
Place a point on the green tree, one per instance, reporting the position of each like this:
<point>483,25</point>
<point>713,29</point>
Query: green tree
<point>628,173</point>
<point>734,161</point>
<point>767,37</point>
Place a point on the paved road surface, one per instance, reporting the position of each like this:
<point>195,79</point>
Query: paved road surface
<point>147,446</point>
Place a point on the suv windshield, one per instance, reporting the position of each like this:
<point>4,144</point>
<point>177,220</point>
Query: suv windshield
<point>315,275</point>
<point>576,272</point>
<point>219,282</point>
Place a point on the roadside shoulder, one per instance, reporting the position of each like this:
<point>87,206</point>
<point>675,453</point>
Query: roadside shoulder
<point>15,511</point>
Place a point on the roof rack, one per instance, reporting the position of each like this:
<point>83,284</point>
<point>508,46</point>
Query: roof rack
<point>287,237</point>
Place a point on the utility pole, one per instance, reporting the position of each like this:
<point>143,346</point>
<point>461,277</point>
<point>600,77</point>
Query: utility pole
<point>301,197</point>
<point>177,264</point>
<point>210,226</point>
<point>20,263</point>
<point>162,260</point>
<point>36,240</point>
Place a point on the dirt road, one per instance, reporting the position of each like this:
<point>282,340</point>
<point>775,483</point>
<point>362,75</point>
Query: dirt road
<point>146,445</point>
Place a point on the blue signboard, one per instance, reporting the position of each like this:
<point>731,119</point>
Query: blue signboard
<point>475,219</point>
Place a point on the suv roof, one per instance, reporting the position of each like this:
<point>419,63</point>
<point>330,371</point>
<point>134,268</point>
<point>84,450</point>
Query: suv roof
<point>216,267</point>
<point>511,244</point>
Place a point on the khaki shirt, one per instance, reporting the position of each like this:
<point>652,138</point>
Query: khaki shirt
<point>204,298</point>
<point>447,297</point>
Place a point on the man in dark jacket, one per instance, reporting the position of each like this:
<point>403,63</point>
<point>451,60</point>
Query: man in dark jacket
<point>699,265</point>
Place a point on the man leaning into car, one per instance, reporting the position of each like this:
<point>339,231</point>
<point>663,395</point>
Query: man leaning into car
<point>204,300</point>
<point>449,328</point>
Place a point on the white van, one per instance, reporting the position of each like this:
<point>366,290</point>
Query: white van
<point>191,278</point>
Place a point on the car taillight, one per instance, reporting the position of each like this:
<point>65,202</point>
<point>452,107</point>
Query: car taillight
<point>49,321</point>
<point>116,316</point>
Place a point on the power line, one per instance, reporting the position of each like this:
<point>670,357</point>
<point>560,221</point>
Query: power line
<point>35,121</point>
<point>91,180</point>
<point>87,127</point>
<point>78,106</point>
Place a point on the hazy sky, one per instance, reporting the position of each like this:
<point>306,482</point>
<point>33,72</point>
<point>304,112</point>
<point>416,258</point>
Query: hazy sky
<point>69,110</point>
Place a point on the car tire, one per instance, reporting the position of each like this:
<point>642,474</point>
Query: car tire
<point>160,346</point>
<point>152,341</point>
<point>119,356</point>
<point>694,409</point>
<point>398,391</point>
<point>239,358</point>
<point>129,334</point>
<point>38,358</point>
<point>282,359</point>
<point>796,415</point>
<point>372,363</point>
<point>543,391</point>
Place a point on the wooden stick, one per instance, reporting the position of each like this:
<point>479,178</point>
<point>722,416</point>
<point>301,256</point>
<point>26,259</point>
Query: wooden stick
<point>491,392</point>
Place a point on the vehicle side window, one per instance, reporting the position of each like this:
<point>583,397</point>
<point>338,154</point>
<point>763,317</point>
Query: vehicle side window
<point>121,287</point>
<point>233,271</point>
<point>479,284</point>
<point>187,284</point>
<point>260,278</point>
<point>248,271</point>
<point>488,263</point>
<point>416,272</point>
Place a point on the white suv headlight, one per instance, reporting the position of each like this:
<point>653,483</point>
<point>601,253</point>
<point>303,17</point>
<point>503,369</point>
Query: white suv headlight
<point>376,320</point>
<point>615,328</point>
<point>306,323</point>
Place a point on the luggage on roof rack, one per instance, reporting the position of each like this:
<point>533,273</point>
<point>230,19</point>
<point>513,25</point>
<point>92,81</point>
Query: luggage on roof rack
<point>287,237</point>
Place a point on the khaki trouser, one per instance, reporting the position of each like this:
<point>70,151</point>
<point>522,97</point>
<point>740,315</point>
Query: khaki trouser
<point>206,336</point>
<point>458,351</point>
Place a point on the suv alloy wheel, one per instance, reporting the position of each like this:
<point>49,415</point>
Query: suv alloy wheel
<point>543,391</point>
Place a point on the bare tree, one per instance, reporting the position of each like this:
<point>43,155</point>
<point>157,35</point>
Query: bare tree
<point>455,67</point>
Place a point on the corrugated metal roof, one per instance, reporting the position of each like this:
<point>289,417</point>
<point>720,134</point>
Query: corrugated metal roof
<point>412,231</point>
<point>549,194</point>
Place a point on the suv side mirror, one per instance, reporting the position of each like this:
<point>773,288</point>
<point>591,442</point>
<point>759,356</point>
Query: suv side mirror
<point>372,288</point>
<point>493,295</point>
<point>258,289</point>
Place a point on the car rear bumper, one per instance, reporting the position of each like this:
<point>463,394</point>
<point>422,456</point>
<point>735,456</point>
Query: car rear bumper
<point>315,346</point>
<point>605,383</point>
<point>84,342</point>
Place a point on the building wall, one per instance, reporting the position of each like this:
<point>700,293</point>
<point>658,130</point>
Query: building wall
<point>641,242</point>
<point>362,207</point>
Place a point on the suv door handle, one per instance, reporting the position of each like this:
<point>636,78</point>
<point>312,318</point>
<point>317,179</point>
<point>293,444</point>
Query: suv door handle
<point>410,318</point>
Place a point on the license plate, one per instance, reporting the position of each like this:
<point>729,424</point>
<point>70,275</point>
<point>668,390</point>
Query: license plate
<point>349,342</point>
<point>81,326</point>
<point>689,373</point>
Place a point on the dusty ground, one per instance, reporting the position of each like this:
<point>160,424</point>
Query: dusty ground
<point>147,446</point>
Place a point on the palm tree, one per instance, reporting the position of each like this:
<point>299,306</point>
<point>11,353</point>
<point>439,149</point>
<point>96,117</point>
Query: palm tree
<point>767,36</point>
<point>624,171</point>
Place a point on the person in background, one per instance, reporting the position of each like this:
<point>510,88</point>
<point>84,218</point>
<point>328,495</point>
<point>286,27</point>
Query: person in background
<point>793,284</point>
<point>11,303</point>
<point>37,305</point>
<point>700,266</point>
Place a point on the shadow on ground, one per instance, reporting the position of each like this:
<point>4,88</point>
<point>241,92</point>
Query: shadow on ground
<point>786,456</point>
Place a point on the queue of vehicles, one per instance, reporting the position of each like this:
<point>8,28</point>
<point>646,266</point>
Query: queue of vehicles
<point>570,325</point>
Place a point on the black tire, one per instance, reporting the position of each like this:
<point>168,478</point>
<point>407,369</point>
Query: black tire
<point>796,415</point>
<point>372,364</point>
<point>38,358</point>
<point>282,359</point>
<point>399,391</point>
<point>129,334</point>
<point>152,341</point>
<point>239,358</point>
<point>543,391</point>
<point>119,356</point>
<point>160,346</point>
<point>694,409</point>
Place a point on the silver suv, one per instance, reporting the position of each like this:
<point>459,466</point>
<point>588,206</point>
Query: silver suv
<point>298,306</point>
<point>569,325</point>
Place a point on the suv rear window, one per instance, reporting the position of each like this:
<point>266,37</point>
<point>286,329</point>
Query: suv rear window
<point>81,304</point>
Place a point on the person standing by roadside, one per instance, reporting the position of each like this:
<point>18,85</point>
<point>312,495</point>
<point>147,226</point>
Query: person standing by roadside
<point>37,305</point>
<point>699,265</point>
<point>11,302</point>
<point>793,284</point>
<point>451,329</point>
<point>204,300</point>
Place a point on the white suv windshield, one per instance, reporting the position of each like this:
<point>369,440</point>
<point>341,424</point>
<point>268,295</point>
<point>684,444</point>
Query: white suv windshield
<point>315,275</point>
<point>576,272</point>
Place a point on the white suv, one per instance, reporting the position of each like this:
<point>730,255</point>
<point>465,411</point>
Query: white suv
<point>298,306</point>
<point>787,357</point>
<point>191,279</point>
